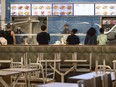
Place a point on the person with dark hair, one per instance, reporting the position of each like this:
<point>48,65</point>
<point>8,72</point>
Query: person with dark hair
<point>73,39</point>
<point>102,38</point>
<point>3,41</point>
<point>43,37</point>
<point>19,39</point>
<point>9,35</point>
<point>66,29</point>
<point>91,38</point>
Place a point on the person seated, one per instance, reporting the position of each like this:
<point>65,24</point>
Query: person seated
<point>73,39</point>
<point>3,41</point>
<point>43,37</point>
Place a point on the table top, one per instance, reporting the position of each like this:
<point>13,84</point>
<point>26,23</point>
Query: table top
<point>5,73</point>
<point>59,85</point>
<point>23,70</point>
<point>91,75</point>
<point>50,60</point>
<point>5,61</point>
<point>74,61</point>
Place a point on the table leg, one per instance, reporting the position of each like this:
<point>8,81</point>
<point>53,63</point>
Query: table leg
<point>15,80</point>
<point>3,82</point>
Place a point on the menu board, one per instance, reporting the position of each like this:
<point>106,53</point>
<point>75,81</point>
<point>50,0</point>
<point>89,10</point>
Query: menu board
<point>62,9</point>
<point>42,9</point>
<point>20,9</point>
<point>105,9</point>
<point>83,9</point>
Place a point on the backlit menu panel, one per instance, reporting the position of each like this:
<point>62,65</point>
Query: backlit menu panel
<point>83,9</point>
<point>105,9</point>
<point>63,9</point>
<point>20,9</point>
<point>42,9</point>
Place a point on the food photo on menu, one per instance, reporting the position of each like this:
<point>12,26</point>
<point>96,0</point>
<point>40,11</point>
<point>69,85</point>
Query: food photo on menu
<point>20,9</point>
<point>42,9</point>
<point>62,9</point>
<point>105,9</point>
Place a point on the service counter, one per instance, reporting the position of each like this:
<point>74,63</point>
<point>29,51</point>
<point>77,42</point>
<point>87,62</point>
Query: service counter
<point>98,52</point>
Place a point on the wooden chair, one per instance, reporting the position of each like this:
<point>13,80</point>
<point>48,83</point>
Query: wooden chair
<point>93,82</point>
<point>107,82</point>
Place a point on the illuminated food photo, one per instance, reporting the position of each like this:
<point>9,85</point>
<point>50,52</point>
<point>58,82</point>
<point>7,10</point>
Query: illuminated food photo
<point>42,12</point>
<point>27,7</point>
<point>63,13</point>
<point>20,13</point>
<point>62,7</point>
<point>35,12</point>
<point>112,7</point>
<point>56,7</point>
<point>13,7</point>
<point>105,7</point>
<point>98,7</point>
<point>35,7</point>
<point>105,13</point>
<point>56,13</point>
<point>69,7</point>
<point>13,13</point>
<point>20,7</point>
<point>48,7</point>
<point>27,13</point>
<point>41,7</point>
<point>69,13</point>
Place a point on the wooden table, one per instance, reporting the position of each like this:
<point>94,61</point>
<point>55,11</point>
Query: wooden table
<point>6,73</point>
<point>18,71</point>
<point>89,76</point>
<point>59,85</point>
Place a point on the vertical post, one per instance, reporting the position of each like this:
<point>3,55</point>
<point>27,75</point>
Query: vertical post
<point>3,13</point>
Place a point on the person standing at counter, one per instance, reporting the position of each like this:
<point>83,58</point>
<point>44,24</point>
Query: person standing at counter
<point>91,38</point>
<point>43,37</point>
<point>102,38</point>
<point>73,39</point>
<point>9,35</point>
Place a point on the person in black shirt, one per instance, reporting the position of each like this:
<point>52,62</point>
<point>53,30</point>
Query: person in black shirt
<point>73,39</point>
<point>43,37</point>
<point>91,38</point>
<point>9,35</point>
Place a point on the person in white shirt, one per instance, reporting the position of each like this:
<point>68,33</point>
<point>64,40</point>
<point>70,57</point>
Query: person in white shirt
<point>3,41</point>
<point>102,38</point>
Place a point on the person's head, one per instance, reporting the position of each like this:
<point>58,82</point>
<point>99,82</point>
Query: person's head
<point>43,27</point>
<point>66,26</point>
<point>74,31</point>
<point>101,30</point>
<point>2,33</point>
<point>91,31</point>
<point>9,26</point>
<point>19,30</point>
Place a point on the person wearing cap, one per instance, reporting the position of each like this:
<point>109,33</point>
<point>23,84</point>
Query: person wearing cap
<point>3,41</point>
<point>73,39</point>
<point>66,29</point>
